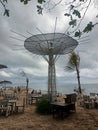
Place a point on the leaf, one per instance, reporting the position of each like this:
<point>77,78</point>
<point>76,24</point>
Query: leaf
<point>69,68</point>
<point>21,0</point>
<point>81,0</point>
<point>6,12</point>
<point>39,9</point>
<point>25,1</point>
<point>41,1</point>
<point>71,7</point>
<point>78,34</point>
<point>88,27</point>
<point>73,23</point>
<point>5,1</point>
<point>66,14</point>
<point>77,13</point>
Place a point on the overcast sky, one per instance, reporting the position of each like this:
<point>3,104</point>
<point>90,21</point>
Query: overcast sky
<point>25,18</point>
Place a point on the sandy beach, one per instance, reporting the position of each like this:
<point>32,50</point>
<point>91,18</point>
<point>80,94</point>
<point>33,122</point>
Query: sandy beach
<point>82,119</point>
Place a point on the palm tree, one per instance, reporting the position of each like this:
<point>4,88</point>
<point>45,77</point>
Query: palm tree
<point>73,63</point>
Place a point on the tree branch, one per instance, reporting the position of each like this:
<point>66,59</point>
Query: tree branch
<point>82,17</point>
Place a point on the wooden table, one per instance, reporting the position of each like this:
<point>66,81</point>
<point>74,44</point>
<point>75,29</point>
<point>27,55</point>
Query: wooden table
<point>62,109</point>
<point>35,97</point>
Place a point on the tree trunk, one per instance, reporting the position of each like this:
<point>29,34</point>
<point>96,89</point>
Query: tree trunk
<point>78,77</point>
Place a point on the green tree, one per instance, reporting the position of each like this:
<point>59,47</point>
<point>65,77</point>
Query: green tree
<point>73,64</point>
<point>25,2</point>
<point>76,10</point>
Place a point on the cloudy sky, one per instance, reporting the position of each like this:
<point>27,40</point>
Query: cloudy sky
<point>24,19</point>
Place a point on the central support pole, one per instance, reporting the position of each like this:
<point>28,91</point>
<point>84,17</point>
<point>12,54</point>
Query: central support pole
<point>51,79</point>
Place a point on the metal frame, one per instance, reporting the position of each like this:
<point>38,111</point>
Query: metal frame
<point>50,46</point>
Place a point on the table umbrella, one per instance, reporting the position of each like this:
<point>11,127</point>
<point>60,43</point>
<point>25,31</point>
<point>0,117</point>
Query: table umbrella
<point>5,82</point>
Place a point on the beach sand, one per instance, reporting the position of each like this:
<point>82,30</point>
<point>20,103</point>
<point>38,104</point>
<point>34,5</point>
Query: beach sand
<point>83,119</point>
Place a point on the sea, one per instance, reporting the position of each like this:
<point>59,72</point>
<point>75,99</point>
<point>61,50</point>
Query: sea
<point>66,88</point>
<point>69,88</point>
<point>86,88</point>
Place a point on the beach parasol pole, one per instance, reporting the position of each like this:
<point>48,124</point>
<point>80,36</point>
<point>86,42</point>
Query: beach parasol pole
<point>27,81</point>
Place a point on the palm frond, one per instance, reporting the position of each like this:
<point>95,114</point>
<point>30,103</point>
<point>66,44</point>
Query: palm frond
<point>69,68</point>
<point>74,59</point>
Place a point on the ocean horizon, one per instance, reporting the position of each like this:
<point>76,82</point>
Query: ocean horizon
<point>65,88</point>
<point>69,88</point>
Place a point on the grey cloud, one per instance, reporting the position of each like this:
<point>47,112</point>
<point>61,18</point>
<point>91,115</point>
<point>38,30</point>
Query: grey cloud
<point>25,18</point>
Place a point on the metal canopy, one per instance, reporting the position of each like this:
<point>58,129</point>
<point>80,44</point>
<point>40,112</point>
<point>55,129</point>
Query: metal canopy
<point>40,44</point>
<point>50,46</point>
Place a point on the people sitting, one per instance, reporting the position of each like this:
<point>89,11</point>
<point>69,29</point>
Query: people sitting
<point>96,98</point>
<point>39,92</point>
<point>32,91</point>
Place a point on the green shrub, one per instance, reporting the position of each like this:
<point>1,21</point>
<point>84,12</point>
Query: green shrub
<point>43,106</point>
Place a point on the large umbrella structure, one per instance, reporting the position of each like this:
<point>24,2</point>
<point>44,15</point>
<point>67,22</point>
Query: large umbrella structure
<point>4,83</point>
<point>50,46</point>
<point>3,66</point>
